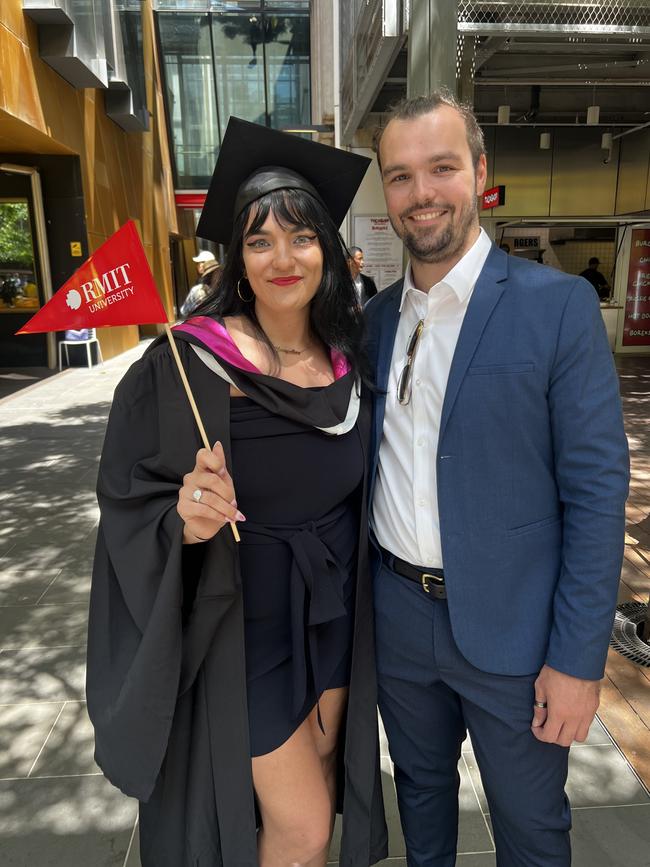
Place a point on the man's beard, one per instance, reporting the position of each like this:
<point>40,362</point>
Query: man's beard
<point>438,246</point>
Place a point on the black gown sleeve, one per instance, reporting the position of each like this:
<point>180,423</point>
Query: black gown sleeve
<point>141,644</point>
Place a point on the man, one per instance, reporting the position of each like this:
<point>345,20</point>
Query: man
<point>597,280</point>
<point>364,285</point>
<point>207,268</point>
<point>499,480</point>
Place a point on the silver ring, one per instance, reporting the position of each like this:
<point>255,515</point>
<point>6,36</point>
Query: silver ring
<point>541,704</point>
<point>196,495</point>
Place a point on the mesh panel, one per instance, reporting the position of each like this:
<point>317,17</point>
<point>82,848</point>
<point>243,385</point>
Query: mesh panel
<point>605,16</point>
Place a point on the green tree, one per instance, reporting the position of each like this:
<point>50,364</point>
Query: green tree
<point>15,235</point>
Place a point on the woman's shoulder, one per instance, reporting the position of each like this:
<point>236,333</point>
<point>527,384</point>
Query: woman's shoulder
<point>152,372</point>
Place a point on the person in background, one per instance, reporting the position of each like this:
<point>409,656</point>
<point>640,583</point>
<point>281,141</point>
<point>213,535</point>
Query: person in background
<point>597,279</point>
<point>208,268</point>
<point>364,285</point>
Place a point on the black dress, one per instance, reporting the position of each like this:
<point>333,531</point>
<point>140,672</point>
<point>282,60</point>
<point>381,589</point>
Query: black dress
<point>297,574</point>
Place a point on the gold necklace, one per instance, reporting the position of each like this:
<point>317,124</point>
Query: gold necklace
<point>290,351</point>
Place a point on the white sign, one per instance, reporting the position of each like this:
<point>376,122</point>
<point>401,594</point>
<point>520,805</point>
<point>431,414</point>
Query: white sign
<point>382,249</point>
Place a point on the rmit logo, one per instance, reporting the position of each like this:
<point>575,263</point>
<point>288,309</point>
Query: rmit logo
<point>110,281</point>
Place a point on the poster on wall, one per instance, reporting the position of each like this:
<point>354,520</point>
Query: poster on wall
<point>636,327</point>
<point>382,249</point>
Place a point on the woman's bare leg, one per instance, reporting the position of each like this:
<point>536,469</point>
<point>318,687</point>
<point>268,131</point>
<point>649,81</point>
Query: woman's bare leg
<point>295,787</point>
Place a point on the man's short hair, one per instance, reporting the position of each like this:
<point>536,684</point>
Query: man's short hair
<point>417,106</point>
<point>593,261</point>
<point>354,250</point>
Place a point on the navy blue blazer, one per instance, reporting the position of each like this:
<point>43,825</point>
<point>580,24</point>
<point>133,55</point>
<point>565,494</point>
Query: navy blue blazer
<point>533,469</point>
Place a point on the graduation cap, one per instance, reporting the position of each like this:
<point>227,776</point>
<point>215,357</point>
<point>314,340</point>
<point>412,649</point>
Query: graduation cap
<point>255,160</point>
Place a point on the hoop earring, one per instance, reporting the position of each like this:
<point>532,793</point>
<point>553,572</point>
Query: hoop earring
<point>245,300</point>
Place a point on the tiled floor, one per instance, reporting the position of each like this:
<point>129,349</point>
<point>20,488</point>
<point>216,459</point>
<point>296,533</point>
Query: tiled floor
<point>56,810</point>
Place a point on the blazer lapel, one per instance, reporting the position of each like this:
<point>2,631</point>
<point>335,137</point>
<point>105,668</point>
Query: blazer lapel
<point>484,299</point>
<point>385,340</point>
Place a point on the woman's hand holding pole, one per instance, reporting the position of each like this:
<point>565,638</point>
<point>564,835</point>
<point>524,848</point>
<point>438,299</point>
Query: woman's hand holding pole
<point>206,502</point>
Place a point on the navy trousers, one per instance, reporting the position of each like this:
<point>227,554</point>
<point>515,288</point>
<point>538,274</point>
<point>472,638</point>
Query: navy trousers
<point>429,697</point>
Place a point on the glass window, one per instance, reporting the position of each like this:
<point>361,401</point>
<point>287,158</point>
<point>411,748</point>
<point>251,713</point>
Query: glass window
<point>287,67</point>
<point>131,29</point>
<point>88,16</point>
<point>250,64</point>
<point>18,280</point>
<point>239,66</point>
<point>287,5</point>
<point>190,97</point>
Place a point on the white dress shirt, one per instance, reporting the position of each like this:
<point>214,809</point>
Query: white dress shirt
<point>405,504</point>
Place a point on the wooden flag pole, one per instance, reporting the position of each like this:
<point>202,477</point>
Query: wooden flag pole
<point>195,409</point>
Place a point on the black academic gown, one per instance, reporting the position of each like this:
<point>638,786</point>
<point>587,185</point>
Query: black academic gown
<point>166,683</point>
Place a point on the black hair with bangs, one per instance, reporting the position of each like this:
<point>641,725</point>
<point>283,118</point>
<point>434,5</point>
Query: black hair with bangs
<point>335,314</point>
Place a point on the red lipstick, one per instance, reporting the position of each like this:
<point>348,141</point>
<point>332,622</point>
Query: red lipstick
<point>285,281</point>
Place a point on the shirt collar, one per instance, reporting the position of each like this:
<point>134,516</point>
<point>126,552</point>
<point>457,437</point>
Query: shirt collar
<point>462,277</point>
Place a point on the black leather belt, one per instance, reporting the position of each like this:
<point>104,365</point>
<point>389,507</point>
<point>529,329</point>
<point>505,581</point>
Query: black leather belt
<point>432,581</point>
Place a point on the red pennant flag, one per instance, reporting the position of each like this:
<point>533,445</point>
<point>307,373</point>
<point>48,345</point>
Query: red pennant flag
<point>114,286</point>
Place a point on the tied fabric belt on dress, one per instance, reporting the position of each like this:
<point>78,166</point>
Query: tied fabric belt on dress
<point>317,581</point>
<point>432,581</point>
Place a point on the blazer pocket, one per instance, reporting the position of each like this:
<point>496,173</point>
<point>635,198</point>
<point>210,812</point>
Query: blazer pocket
<point>536,525</point>
<point>518,367</point>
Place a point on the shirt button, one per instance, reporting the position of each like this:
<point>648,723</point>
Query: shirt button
<point>422,502</point>
<point>421,441</point>
<point>418,382</point>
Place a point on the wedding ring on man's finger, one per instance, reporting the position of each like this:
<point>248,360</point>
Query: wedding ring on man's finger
<point>196,495</point>
<point>541,704</point>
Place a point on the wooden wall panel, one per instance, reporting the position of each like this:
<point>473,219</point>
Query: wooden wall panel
<point>125,175</point>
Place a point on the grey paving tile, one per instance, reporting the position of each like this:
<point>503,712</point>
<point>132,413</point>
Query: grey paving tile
<point>395,839</point>
<point>47,553</point>
<point>42,626</point>
<point>482,859</point>
<point>473,835</point>
<point>600,776</point>
<point>134,853</point>
<point>383,739</point>
<point>76,822</point>
<point>23,730</point>
<point>68,588</point>
<point>54,674</point>
<point>598,734</point>
<point>70,746</point>
<point>477,859</point>
<point>611,837</point>
<point>25,587</point>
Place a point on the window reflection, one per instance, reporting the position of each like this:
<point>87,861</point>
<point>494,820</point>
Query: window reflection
<point>259,64</point>
<point>18,283</point>
<point>191,104</point>
<point>239,64</point>
<point>287,56</point>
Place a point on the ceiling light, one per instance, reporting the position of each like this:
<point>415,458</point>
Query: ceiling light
<point>503,114</point>
<point>593,115</point>
<point>545,141</point>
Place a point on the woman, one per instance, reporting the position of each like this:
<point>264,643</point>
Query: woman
<point>232,686</point>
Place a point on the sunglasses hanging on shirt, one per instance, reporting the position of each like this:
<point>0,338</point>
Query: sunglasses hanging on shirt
<point>406,376</point>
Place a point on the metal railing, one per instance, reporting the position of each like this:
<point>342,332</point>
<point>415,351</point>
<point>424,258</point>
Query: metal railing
<point>621,17</point>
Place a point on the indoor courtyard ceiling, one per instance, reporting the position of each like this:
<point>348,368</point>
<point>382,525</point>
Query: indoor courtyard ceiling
<point>548,79</point>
